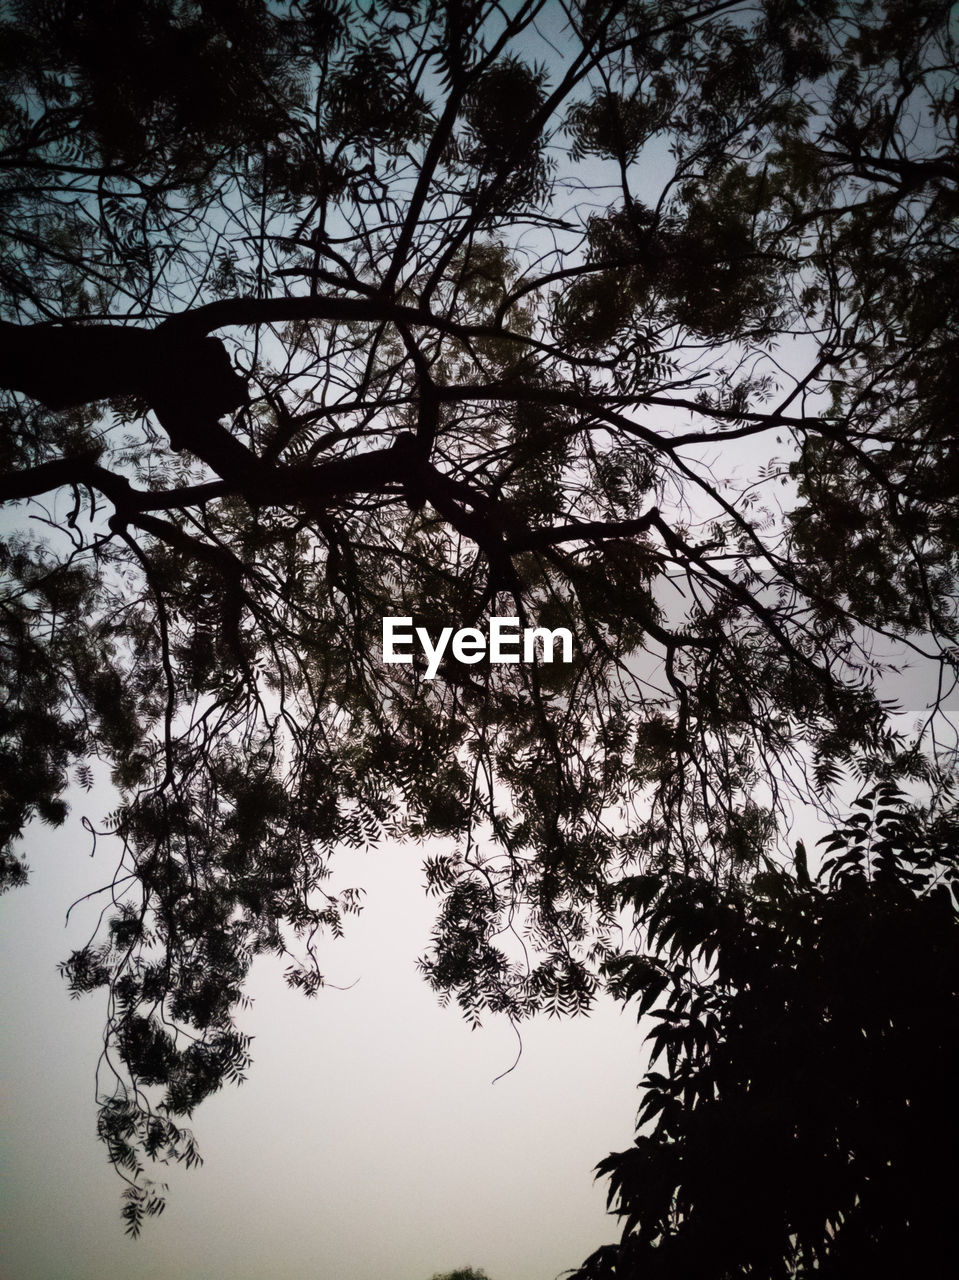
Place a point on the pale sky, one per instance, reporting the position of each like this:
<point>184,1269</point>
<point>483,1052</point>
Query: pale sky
<point>369,1141</point>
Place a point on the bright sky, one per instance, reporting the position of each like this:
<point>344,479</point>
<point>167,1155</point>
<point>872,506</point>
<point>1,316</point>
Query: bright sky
<point>369,1140</point>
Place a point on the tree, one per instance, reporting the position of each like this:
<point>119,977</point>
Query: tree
<point>319,314</point>
<point>462,1273</point>
<point>811,1034</point>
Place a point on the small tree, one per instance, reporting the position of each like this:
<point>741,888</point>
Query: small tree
<point>810,1032</point>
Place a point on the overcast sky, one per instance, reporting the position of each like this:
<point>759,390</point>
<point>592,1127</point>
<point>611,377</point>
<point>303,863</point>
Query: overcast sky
<point>369,1141</point>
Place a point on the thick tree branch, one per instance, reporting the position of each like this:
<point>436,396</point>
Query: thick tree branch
<point>33,481</point>
<point>242,312</point>
<point>63,366</point>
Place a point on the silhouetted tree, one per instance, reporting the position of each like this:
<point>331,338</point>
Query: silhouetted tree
<point>810,1030</point>
<point>314,313</point>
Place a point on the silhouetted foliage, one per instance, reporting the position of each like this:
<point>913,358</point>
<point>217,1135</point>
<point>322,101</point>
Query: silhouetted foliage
<point>632,318</point>
<point>810,1032</point>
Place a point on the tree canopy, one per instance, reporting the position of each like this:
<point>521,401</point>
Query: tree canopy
<point>637,319</point>
<point>462,1273</point>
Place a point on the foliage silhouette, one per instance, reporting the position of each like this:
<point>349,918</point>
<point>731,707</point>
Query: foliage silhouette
<point>811,1035</point>
<point>314,314</point>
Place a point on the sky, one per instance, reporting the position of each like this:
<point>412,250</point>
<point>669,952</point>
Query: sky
<point>369,1140</point>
